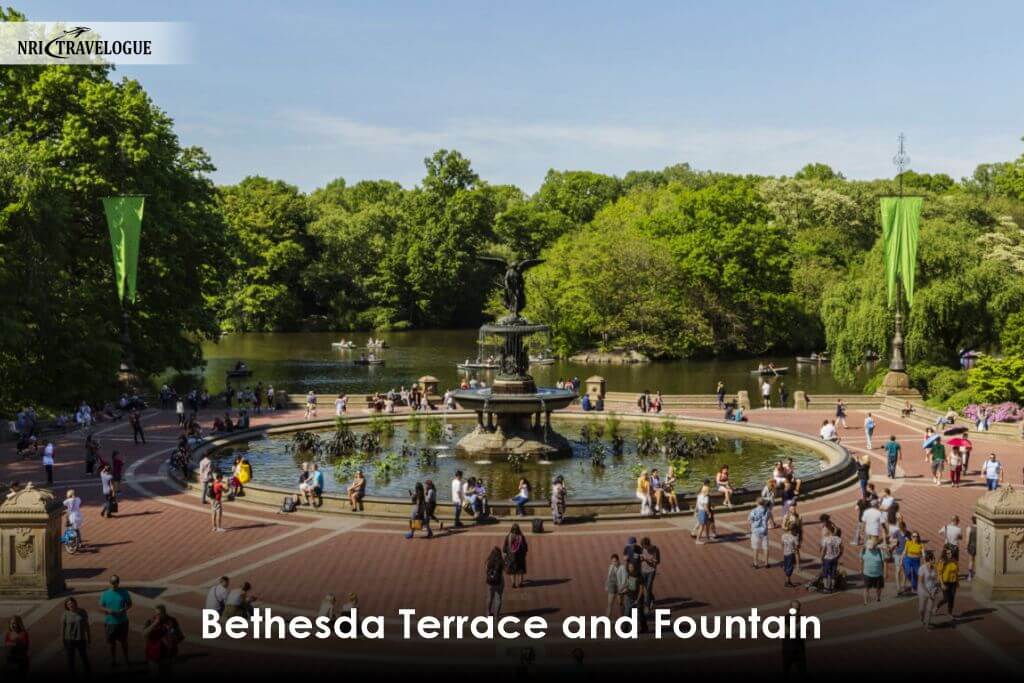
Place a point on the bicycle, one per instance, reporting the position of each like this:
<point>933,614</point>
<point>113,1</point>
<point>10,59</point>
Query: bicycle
<point>71,540</point>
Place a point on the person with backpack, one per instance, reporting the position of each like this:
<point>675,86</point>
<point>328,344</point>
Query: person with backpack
<point>514,551</point>
<point>494,575</point>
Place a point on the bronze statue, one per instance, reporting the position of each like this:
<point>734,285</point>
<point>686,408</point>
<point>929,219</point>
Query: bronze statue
<point>514,285</point>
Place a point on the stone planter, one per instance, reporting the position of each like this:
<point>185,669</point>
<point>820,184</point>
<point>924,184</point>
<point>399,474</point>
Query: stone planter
<point>30,550</point>
<point>999,565</point>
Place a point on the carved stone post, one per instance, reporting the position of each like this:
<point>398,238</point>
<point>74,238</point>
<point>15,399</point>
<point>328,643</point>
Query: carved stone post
<point>999,565</point>
<point>30,550</point>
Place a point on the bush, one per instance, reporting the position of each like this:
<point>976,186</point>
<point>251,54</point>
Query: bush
<point>1003,412</point>
<point>1011,339</point>
<point>875,381</point>
<point>995,380</point>
<point>944,384</point>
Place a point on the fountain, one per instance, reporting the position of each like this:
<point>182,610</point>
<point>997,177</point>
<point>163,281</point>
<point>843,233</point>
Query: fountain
<point>513,416</point>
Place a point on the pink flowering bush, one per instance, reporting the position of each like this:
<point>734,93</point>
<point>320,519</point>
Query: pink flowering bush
<point>1000,412</point>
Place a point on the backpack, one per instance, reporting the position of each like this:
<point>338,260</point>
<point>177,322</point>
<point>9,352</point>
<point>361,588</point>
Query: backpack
<point>288,505</point>
<point>493,576</point>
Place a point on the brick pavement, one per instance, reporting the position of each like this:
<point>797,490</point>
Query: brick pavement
<point>162,547</point>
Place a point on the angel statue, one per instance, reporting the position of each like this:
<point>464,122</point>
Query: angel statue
<point>515,286</point>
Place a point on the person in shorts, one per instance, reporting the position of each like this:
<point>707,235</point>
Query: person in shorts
<point>115,603</point>
<point>217,509</point>
<point>872,567</point>
<point>937,455</point>
<point>788,556</point>
<point>758,519</point>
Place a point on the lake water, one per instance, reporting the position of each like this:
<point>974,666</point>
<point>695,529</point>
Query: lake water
<point>298,362</point>
<point>750,462</point>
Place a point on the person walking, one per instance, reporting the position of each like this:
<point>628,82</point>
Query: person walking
<point>310,404</point>
<point>927,589</point>
<point>789,549</point>
<point>48,462</point>
<point>76,637</point>
<point>766,394</point>
<point>418,514</point>
<point>614,584</point>
<point>937,457</point>
<point>109,493</point>
<point>841,414</point>
<point>758,519</point>
<point>993,470</point>
<point>179,408</point>
<point>831,551</point>
<point>650,558</point>
<point>430,503</point>
<point>494,576</point>
<point>912,554</point>
<point>720,394</point>
<point>135,420</point>
<point>864,473</point>
<point>458,497</point>
<point>115,603</point>
<point>948,571</point>
<point>972,547</point>
<point>514,551</point>
<point>869,430</point>
<point>558,496</point>
<point>893,455</point>
<point>783,395</point>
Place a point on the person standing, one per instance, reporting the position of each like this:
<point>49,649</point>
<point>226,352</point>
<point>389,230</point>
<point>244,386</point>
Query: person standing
<point>841,414</point>
<point>48,462</point>
<point>514,550</point>
<point>831,551</point>
<point>614,584</point>
<point>972,547</point>
<point>766,394</point>
<point>109,496</point>
<point>869,430</point>
<point>758,519</point>
<point>951,535</point>
<point>205,476</point>
<point>418,514</point>
<point>789,547</point>
<point>217,596</point>
<point>494,576</point>
<point>948,572</point>
<point>339,405</point>
<point>558,496</point>
<point>76,636</point>
<point>783,395</point>
<point>937,456</point>
<point>310,404</point>
<point>163,635</point>
<point>179,408</point>
<point>927,589</point>
<point>720,393</point>
<point>458,497</point>
<point>893,454</point>
<point>115,603</point>
<point>993,470</point>
<point>217,509</point>
<point>430,503</point>
<point>872,567</point>
<point>864,473</point>
<point>135,419</point>
<point>955,467</point>
<point>650,558</point>
<point>16,644</point>
<point>913,551</point>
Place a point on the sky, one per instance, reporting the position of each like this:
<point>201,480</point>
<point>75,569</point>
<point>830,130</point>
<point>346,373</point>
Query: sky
<point>307,91</point>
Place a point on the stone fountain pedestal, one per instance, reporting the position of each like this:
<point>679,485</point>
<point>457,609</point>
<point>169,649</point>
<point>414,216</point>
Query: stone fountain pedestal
<point>30,560</point>
<point>999,564</point>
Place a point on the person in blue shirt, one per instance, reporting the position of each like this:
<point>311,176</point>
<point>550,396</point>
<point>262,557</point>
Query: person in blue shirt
<point>317,485</point>
<point>115,603</point>
<point>758,519</point>
<point>585,402</point>
<point>893,452</point>
<point>869,429</point>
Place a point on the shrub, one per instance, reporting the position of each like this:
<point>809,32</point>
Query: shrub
<point>995,380</point>
<point>944,384</point>
<point>1003,412</point>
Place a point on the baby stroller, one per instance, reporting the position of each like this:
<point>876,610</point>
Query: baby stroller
<point>71,540</point>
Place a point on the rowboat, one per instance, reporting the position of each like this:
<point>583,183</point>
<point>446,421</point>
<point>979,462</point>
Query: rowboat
<point>369,361</point>
<point>541,360</point>
<point>240,372</point>
<point>769,372</point>
<point>812,360</point>
<point>478,366</point>
<point>343,345</point>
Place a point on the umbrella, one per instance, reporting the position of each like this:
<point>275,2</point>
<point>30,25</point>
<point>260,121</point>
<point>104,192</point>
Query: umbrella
<point>959,442</point>
<point>955,430</point>
<point>930,440</point>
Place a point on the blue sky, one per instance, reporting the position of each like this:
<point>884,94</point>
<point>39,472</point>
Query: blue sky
<point>308,91</point>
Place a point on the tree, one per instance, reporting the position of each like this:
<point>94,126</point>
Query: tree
<point>818,172</point>
<point>68,137</point>
<point>577,194</point>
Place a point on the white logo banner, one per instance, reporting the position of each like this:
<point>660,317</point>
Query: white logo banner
<point>99,42</point>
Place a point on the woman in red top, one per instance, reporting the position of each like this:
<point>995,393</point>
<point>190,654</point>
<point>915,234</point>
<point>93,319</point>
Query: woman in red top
<point>163,634</point>
<point>16,646</point>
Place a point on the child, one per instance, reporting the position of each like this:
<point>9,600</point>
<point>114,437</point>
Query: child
<point>788,556</point>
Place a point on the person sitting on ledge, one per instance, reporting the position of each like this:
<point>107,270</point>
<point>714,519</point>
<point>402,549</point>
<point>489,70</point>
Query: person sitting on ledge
<point>907,410</point>
<point>599,406</point>
<point>585,403</point>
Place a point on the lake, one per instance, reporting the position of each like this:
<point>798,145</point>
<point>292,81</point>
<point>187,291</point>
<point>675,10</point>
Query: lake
<point>300,361</point>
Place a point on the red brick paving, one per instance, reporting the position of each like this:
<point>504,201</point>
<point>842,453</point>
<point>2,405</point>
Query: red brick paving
<point>162,532</point>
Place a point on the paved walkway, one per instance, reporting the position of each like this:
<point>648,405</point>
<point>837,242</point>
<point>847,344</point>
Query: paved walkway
<point>162,547</point>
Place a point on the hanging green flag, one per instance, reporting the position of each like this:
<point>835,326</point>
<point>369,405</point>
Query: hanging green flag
<point>900,222</point>
<point>124,219</point>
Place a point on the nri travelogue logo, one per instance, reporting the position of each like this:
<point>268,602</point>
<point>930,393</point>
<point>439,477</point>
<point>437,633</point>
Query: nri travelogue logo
<point>67,45</point>
<point>79,42</point>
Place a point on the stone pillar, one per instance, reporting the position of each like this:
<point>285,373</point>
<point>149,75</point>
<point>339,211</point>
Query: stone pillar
<point>743,399</point>
<point>30,549</point>
<point>595,387</point>
<point>429,385</point>
<point>999,565</point>
<point>800,401</point>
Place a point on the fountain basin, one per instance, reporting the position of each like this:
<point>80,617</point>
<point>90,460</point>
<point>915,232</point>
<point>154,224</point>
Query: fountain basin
<point>489,400</point>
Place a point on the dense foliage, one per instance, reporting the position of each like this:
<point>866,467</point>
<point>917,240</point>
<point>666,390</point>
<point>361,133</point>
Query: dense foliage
<point>677,262</point>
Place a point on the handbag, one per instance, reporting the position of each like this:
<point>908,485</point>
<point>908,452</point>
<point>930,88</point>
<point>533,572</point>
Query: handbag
<point>415,524</point>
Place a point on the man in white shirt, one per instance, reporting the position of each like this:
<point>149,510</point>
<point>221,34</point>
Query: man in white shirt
<point>993,470</point>
<point>458,497</point>
<point>339,406</point>
<point>179,408</point>
<point>218,595</point>
<point>952,533</point>
<point>270,397</point>
<point>48,462</point>
<point>872,519</point>
<point>766,394</point>
<point>828,431</point>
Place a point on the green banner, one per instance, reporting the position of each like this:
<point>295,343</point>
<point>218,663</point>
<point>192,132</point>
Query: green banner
<point>900,223</point>
<point>124,219</point>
